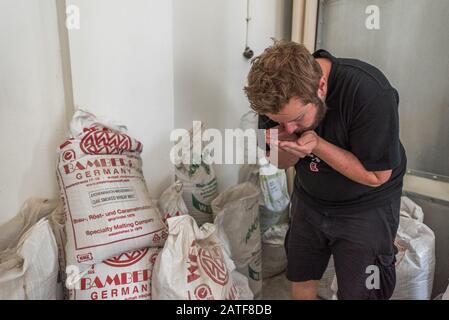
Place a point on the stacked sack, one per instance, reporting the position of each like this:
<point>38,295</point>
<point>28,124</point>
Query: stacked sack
<point>192,168</point>
<point>112,226</point>
<point>274,258</point>
<point>193,265</point>
<point>29,265</point>
<point>273,225</point>
<point>122,245</point>
<point>415,266</point>
<point>274,198</point>
<point>171,203</point>
<point>273,183</point>
<point>126,276</point>
<point>237,221</point>
<point>274,203</point>
<point>415,260</point>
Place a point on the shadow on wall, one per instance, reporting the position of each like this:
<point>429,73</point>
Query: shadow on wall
<point>38,169</point>
<point>148,171</point>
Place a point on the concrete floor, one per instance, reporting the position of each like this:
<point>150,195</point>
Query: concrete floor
<point>276,288</point>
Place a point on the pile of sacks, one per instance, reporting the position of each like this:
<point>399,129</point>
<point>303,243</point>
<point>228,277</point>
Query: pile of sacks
<point>415,260</point>
<point>230,219</point>
<point>197,175</point>
<point>273,224</point>
<point>123,245</point>
<point>106,239</point>
<point>274,203</point>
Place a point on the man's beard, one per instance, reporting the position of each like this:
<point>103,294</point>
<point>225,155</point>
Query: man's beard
<point>321,113</point>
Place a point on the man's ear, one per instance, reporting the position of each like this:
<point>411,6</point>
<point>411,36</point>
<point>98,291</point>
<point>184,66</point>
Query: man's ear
<point>322,88</point>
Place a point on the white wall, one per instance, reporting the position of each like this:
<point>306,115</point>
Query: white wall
<point>32,110</point>
<point>122,67</point>
<point>151,64</point>
<point>209,68</point>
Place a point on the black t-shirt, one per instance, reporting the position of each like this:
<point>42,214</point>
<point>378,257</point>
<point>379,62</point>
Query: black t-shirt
<point>362,118</point>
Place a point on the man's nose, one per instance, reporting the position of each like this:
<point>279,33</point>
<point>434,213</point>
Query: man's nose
<point>290,127</point>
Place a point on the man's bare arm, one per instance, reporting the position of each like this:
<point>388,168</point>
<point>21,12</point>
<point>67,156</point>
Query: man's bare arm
<point>285,160</point>
<point>339,159</point>
<point>348,165</point>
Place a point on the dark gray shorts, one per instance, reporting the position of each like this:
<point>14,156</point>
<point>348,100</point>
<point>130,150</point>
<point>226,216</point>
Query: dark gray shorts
<point>362,244</point>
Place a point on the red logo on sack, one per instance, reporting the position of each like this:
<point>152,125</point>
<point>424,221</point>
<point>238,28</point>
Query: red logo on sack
<point>213,264</point>
<point>169,215</point>
<point>153,257</point>
<point>105,141</point>
<point>203,292</point>
<point>193,263</point>
<point>69,155</point>
<point>232,295</point>
<point>156,238</point>
<point>127,259</point>
<point>84,257</point>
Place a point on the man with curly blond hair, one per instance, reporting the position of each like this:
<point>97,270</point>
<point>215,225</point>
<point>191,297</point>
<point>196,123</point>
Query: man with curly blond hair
<point>338,125</point>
